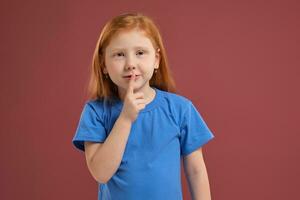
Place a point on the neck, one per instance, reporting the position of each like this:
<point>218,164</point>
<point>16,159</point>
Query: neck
<point>149,93</point>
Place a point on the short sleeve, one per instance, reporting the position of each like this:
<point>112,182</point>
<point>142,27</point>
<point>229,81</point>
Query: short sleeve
<point>194,131</point>
<point>90,127</point>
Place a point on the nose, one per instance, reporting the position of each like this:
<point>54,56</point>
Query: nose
<point>130,63</point>
<point>130,67</point>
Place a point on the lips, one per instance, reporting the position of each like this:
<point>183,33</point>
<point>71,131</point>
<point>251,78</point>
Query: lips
<point>130,76</point>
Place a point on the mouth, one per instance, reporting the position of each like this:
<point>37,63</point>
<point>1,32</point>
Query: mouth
<point>129,76</point>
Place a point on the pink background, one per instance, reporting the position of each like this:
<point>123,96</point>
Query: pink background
<point>238,61</point>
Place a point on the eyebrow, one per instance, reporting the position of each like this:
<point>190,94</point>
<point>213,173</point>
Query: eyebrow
<point>136,47</point>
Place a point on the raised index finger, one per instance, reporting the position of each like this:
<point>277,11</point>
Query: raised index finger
<point>130,84</point>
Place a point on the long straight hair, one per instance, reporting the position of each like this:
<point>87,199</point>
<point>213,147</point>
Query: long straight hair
<point>99,86</point>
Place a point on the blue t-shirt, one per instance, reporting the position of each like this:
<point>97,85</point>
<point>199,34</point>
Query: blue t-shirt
<point>166,129</point>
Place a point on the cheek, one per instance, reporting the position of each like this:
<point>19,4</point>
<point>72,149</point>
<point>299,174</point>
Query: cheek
<point>115,71</point>
<point>114,66</point>
<point>149,59</point>
<point>146,70</point>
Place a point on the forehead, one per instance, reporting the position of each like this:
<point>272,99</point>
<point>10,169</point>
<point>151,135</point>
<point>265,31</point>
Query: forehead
<point>130,39</point>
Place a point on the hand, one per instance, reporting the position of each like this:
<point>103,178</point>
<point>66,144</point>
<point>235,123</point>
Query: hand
<point>133,102</point>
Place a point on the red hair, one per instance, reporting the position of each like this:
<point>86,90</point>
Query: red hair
<point>101,87</point>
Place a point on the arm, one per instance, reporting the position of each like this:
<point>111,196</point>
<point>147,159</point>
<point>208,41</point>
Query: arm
<point>195,170</point>
<point>103,159</point>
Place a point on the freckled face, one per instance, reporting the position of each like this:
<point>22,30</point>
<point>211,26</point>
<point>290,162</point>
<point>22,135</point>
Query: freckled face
<point>127,52</point>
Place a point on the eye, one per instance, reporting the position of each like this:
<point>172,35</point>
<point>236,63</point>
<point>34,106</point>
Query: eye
<point>118,54</point>
<point>141,53</point>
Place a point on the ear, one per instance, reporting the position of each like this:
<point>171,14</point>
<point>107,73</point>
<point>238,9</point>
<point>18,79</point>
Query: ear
<point>104,70</point>
<point>157,58</point>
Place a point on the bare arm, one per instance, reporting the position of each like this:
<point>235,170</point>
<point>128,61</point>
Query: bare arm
<point>197,177</point>
<point>103,159</point>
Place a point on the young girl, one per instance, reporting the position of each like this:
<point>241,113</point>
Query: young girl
<point>134,129</point>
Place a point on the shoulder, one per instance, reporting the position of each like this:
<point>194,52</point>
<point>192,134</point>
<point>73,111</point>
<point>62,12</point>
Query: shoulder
<point>175,100</point>
<point>177,104</point>
<point>96,106</point>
